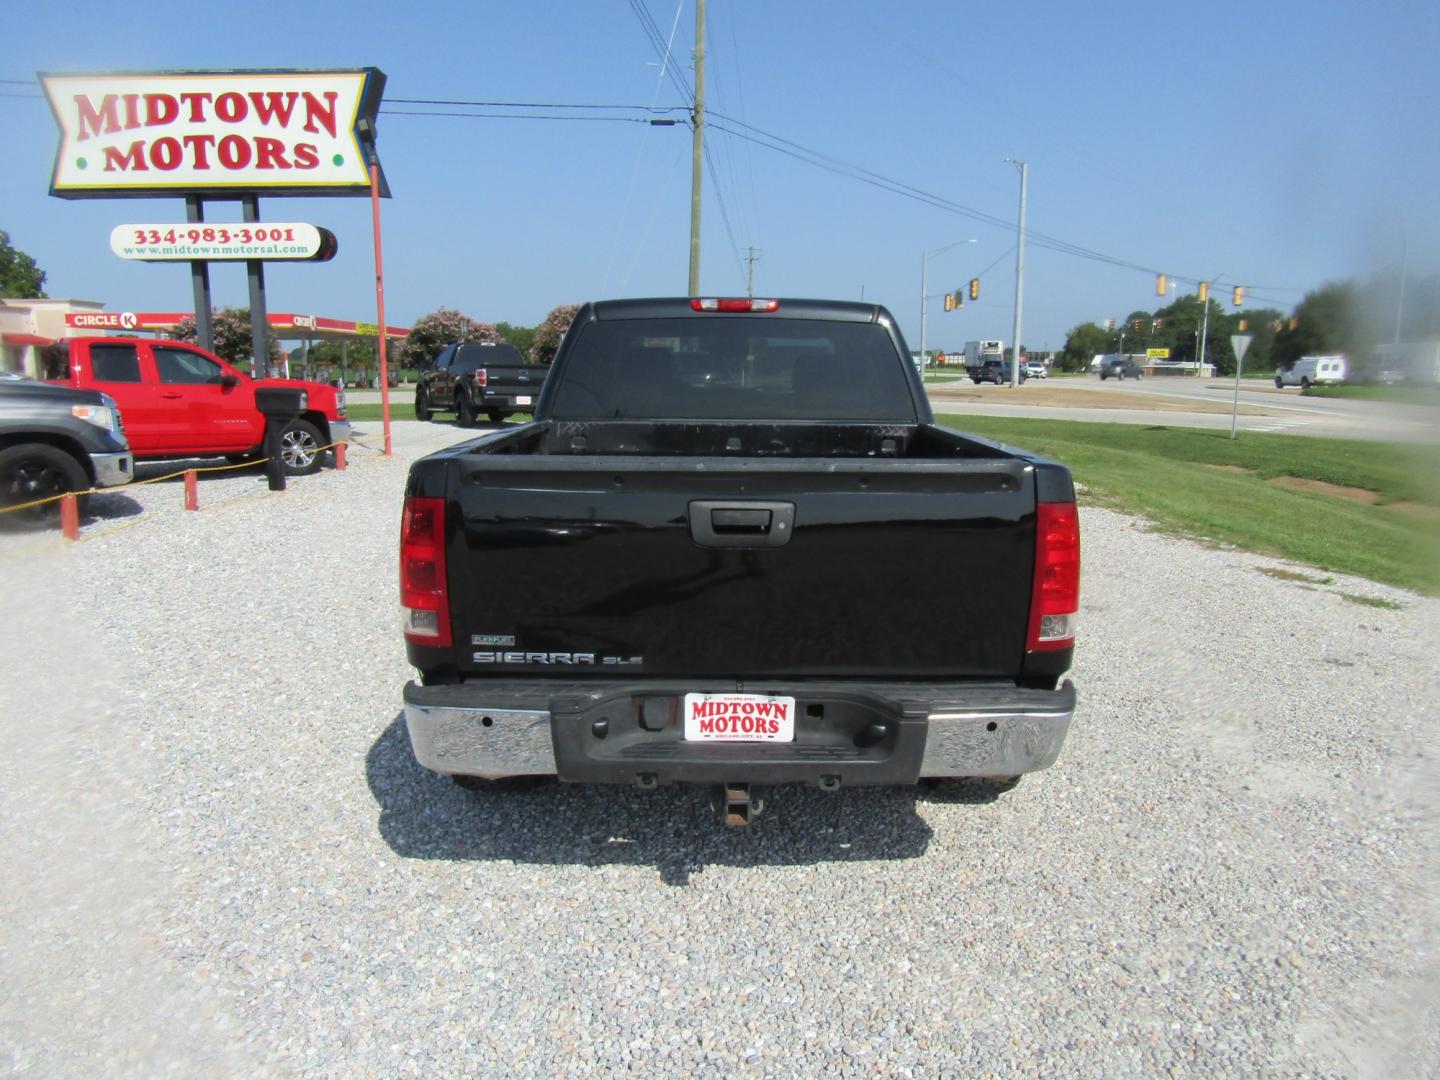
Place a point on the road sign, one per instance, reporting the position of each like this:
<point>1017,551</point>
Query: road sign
<point>1241,344</point>
<point>1157,354</point>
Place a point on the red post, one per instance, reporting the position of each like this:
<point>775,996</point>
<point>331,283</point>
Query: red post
<point>70,516</point>
<point>339,457</point>
<point>192,490</point>
<point>380,303</point>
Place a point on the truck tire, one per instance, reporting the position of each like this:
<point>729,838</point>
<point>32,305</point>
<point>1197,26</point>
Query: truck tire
<point>300,451</point>
<point>30,471</point>
<point>497,416</point>
<point>1304,383</point>
<point>464,410</point>
<point>422,405</point>
<point>1279,383</point>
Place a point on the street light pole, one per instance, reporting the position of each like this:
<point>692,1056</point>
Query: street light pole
<point>1205,327</point>
<point>925,257</point>
<point>1019,272</point>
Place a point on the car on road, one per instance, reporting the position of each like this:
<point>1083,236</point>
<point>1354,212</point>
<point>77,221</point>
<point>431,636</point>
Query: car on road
<point>995,371</point>
<point>1311,371</point>
<point>1121,368</point>
<point>1036,370</point>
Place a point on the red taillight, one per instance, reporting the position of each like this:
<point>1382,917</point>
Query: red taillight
<point>743,303</point>
<point>482,377</point>
<point>1055,595</point>
<point>423,596</point>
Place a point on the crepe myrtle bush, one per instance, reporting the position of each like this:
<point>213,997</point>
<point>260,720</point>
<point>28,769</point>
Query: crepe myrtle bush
<point>549,333</point>
<point>443,326</point>
<point>230,328</point>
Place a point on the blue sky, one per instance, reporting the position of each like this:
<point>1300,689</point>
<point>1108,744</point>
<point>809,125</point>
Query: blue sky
<point>1279,145</point>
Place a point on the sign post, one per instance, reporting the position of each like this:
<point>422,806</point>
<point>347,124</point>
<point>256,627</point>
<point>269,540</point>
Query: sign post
<point>1241,344</point>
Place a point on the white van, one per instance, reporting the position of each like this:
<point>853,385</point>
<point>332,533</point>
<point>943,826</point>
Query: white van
<point>1313,371</point>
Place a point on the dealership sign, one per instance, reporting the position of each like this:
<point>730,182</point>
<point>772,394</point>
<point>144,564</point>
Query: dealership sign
<point>284,240</point>
<point>211,132</point>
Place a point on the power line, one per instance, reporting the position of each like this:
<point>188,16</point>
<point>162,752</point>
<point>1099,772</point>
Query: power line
<point>724,213</point>
<point>527,104</point>
<point>514,116</point>
<point>841,167</point>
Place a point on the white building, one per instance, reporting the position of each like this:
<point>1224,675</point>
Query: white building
<point>27,326</point>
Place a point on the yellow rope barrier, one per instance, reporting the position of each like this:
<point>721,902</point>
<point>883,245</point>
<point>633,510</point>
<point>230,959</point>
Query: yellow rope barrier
<point>158,479</point>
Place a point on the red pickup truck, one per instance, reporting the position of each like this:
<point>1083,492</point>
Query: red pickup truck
<point>179,401</point>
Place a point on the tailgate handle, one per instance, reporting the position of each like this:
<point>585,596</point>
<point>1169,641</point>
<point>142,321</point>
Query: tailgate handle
<point>741,524</point>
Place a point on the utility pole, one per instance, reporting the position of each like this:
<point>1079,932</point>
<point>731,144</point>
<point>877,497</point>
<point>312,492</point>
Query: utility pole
<point>1019,273</point>
<point>750,258</point>
<point>1205,327</point>
<point>697,123</point>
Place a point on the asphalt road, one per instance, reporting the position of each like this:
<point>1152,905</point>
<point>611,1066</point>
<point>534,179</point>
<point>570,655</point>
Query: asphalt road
<point>1188,403</point>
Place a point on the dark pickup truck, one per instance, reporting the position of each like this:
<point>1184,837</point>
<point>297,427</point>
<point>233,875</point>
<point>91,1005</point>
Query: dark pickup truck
<point>733,548</point>
<point>474,377</point>
<point>55,440</point>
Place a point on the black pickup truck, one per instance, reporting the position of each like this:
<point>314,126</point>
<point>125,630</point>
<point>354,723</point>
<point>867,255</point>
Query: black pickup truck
<point>474,377</point>
<point>55,440</point>
<point>734,548</point>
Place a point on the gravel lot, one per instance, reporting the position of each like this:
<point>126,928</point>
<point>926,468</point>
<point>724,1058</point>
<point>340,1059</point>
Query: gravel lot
<point>222,859</point>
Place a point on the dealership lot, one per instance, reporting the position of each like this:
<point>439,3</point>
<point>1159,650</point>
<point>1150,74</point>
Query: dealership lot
<point>229,862</point>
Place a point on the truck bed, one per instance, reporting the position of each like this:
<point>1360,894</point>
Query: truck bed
<point>642,544</point>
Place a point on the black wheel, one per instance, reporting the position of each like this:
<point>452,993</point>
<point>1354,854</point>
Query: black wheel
<point>1279,383</point>
<point>1304,383</point>
<point>33,471</point>
<point>1122,376</point>
<point>497,415</point>
<point>465,410</point>
<point>998,380</point>
<point>975,379</point>
<point>1139,374</point>
<point>300,451</point>
<point>422,405</point>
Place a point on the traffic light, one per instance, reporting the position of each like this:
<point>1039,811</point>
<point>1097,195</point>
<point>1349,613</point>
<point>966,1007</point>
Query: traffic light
<point>1204,291</point>
<point>959,298</point>
<point>1161,285</point>
<point>1135,324</point>
<point>949,301</point>
<point>1239,297</point>
<point>1244,325</point>
<point>1109,324</point>
<point>974,288</point>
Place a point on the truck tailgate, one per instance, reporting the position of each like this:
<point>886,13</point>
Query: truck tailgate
<point>675,566</point>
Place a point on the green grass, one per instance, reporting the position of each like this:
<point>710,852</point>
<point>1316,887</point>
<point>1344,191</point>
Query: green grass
<point>1405,395</point>
<point>404,409</point>
<point>1161,473</point>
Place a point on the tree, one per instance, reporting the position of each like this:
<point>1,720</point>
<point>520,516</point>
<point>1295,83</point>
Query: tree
<point>1082,345</point>
<point>233,342</point>
<point>522,337</point>
<point>431,333</point>
<point>548,333</point>
<point>1327,320</point>
<point>20,278</point>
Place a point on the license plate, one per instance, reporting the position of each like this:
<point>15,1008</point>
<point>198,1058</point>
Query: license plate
<point>739,718</point>
<point>523,400</point>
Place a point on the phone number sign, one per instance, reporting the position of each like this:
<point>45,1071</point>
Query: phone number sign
<point>283,240</point>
